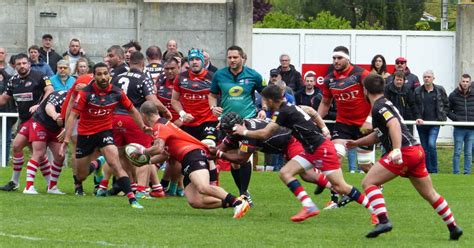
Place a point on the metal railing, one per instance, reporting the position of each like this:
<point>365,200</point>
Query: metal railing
<point>4,117</point>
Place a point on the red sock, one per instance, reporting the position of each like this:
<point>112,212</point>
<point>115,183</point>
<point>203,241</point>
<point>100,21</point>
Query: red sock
<point>323,181</point>
<point>157,187</point>
<point>442,208</point>
<point>31,170</point>
<point>56,169</point>
<point>18,161</point>
<point>141,188</point>
<point>45,169</point>
<point>104,184</point>
<point>377,202</point>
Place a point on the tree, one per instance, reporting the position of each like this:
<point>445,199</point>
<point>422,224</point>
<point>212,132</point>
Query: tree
<point>260,9</point>
<point>326,20</point>
<point>280,20</point>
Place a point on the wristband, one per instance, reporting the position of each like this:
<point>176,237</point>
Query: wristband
<point>219,154</point>
<point>245,132</point>
<point>182,114</point>
<point>369,119</point>
<point>325,129</point>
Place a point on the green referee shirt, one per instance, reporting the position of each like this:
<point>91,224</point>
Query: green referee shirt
<point>237,91</point>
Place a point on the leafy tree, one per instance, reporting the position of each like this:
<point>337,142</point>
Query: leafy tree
<point>280,20</point>
<point>326,20</point>
<point>367,26</point>
<point>260,9</point>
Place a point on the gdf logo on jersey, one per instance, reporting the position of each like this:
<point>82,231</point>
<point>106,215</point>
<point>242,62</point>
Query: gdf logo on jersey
<point>236,91</point>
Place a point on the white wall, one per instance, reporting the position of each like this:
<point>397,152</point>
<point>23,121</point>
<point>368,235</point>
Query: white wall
<point>423,49</point>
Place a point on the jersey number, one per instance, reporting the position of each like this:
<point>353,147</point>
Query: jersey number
<point>123,82</point>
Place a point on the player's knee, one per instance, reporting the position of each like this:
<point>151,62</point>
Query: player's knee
<point>340,150</point>
<point>202,189</point>
<point>194,202</point>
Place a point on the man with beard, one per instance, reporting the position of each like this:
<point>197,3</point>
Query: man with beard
<point>96,104</point>
<point>344,85</point>
<point>74,53</point>
<point>28,88</point>
<point>116,61</point>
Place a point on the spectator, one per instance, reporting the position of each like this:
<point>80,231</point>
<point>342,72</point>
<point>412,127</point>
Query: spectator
<point>10,107</point>
<point>47,53</point>
<point>461,108</point>
<point>82,68</point>
<point>289,74</point>
<point>432,103</point>
<point>3,62</point>
<point>74,53</point>
<point>207,63</point>
<point>129,48</point>
<point>172,47</point>
<point>411,80</point>
<point>402,97</point>
<point>379,66</point>
<point>184,64</point>
<point>36,64</point>
<point>62,80</point>
<point>307,95</point>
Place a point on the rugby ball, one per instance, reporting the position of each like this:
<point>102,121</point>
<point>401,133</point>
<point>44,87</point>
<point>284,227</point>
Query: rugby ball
<point>134,153</point>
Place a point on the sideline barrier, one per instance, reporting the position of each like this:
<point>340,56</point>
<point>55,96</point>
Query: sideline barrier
<point>4,117</point>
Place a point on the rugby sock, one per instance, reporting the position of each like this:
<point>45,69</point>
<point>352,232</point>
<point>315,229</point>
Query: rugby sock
<point>56,169</point>
<point>334,196</point>
<point>124,184</point>
<point>213,177</point>
<point>76,182</point>
<point>230,201</point>
<point>360,198</point>
<point>134,186</point>
<point>377,202</point>
<point>164,183</point>
<point>235,175</point>
<point>45,169</point>
<point>172,188</point>
<point>157,187</point>
<point>104,184</point>
<point>141,188</point>
<point>92,166</point>
<point>442,208</point>
<point>18,161</point>
<point>323,181</point>
<point>300,193</point>
<point>31,170</point>
<point>245,173</point>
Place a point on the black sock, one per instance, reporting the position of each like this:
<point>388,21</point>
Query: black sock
<point>124,184</point>
<point>164,183</point>
<point>235,174</point>
<point>245,173</point>
<point>230,200</point>
<point>334,196</point>
<point>91,168</point>
<point>383,219</point>
<point>76,182</point>
<point>213,175</point>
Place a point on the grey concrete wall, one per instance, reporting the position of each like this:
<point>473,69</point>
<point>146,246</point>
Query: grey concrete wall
<point>100,24</point>
<point>464,40</point>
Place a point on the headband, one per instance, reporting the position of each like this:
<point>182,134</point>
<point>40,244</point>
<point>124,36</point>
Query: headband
<point>341,54</point>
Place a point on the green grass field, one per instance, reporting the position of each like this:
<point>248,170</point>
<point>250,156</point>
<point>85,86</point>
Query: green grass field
<point>71,221</point>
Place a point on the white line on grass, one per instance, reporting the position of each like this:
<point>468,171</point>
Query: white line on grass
<point>104,243</point>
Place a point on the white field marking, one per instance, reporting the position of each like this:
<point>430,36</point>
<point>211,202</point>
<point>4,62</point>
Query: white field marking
<point>103,243</point>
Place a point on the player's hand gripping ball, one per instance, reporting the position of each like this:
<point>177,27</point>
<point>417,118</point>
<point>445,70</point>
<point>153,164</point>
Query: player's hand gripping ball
<point>136,154</point>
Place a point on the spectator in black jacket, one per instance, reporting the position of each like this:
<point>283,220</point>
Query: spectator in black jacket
<point>410,79</point>
<point>432,104</point>
<point>208,64</point>
<point>402,97</point>
<point>461,108</point>
<point>289,74</point>
<point>306,95</point>
<point>47,53</point>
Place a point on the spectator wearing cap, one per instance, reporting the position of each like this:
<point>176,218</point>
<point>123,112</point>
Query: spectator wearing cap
<point>433,104</point>
<point>289,74</point>
<point>47,53</point>
<point>62,80</point>
<point>36,64</point>
<point>411,80</point>
<point>307,95</point>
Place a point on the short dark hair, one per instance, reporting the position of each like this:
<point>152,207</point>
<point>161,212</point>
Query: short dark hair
<point>236,48</point>
<point>399,74</point>
<point>273,92</point>
<point>341,49</point>
<point>19,56</point>
<point>154,52</point>
<point>171,60</point>
<point>184,60</point>
<point>99,65</point>
<point>75,40</point>
<point>34,47</point>
<point>133,43</point>
<point>116,49</point>
<point>374,84</point>
<point>172,55</point>
<point>465,75</point>
<point>136,58</point>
